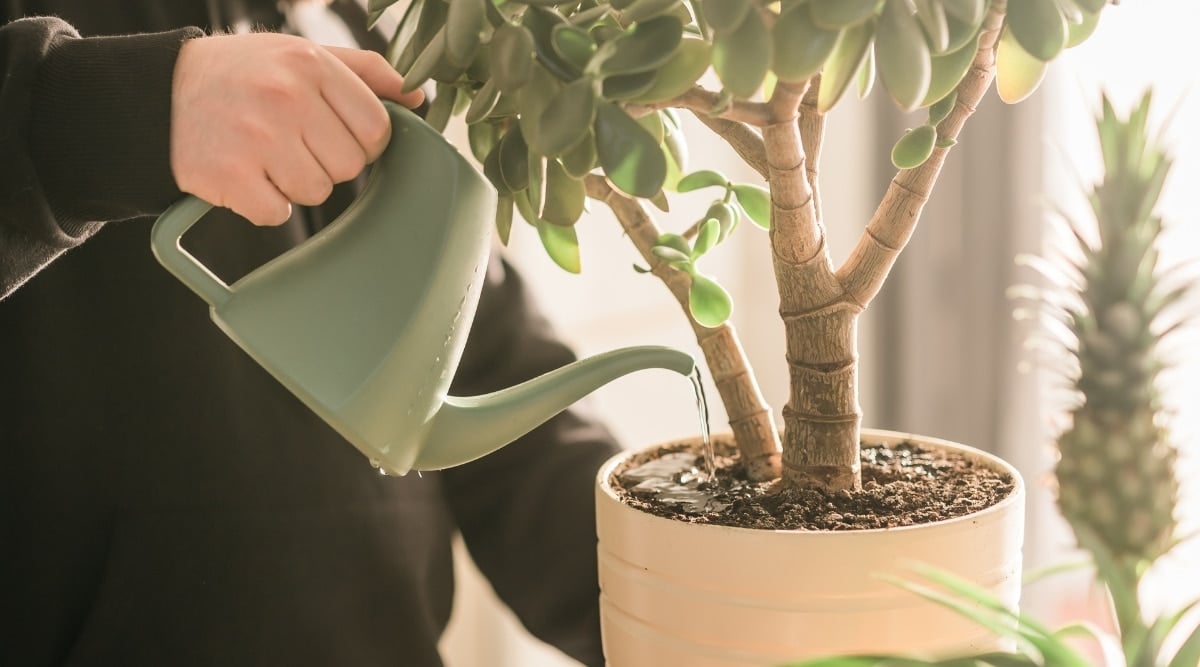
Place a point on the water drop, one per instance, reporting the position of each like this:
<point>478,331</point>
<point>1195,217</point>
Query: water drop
<point>374,463</point>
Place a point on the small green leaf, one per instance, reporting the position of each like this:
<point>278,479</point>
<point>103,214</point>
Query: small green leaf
<point>532,101</point>
<point>676,76</point>
<point>671,255</point>
<point>521,199</point>
<point>968,11</point>
<point>843,63</point>
<point>442,105</point>
<point>653,124</point>
<point>1077,33</point>
<point>491,169</point>
<point>630,156</point>
<point>742,57</point>
<point>1038,26</point>
<point>565,196</point>
<point>704,178</point>
<point>914,148</point>
<point>542,22</point>
<point>709,303</point>
<point>562,244</point>
<point>484,101</point>
<point>627,86</point>
<point>579,160</point>
<point>865,79</point>
<point>903,55</point>
<point>1018,74</point>
<point>425,64</point>
<point>465,21</point>
<point>726,15</point>
<point>482,138</point>
<point>512,56</point>
<point>947,71</point>
<point>660,202</point>
<point>725,215</point>
<point>756,202</point>
<point>640,10</point>
<point>706,238</point>
<point>939,111</point>
<point>514,160</point>
<point>567,117</point>
<point>537,183</point>
<point>676,242</point>
<point>838,14</point>
<point>572,44</point>
<point>504,216</point>
<point>644,47</point>
<point>801,46</point>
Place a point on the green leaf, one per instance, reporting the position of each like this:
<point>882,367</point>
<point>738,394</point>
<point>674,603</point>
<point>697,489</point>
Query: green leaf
<point>572,44</point>
<point>932,16</point>
<point>902,55</point>
<point>465,21</point>
<point>441,107</point>
<point>653,124</point>
<point>708,302</point>
<point>567,117</point>
<point>579,160</point>
<point>801,46</point>
<point>1018,74</point>
<point>947,71</point>
<point>565,196</point>
<point>504,216</point>
<point>376,8</point>
<point>676,242</point>
<point>532,101</point>
<point>640,10</point>
<point>726,15</point>
<point>742,57</point>
<point>521,199</point>
<point>627,86</point>
<point>512,56</point>
<point>914,148</point>
<point>562,244</point>
<point>865,79</point>
<point>756,202</point>
<point>660,202</point>
<point>843,63</point>
<point>704,178</point>
<point>542,22</point>
<point>537,183</point>
<point>630,156</point>
<point>968,11</point>
<point>1038,26</point>
<point>674,142</point>
<point>939,111</point>
<point>1077,33</point>
<point>514,160</point>
<point>1189,652</point>
<point>725,215</point>
<point>484,101</point>
<point>644,47</point>
<point>708,237</point>
<point>671,255</point>
<point>838,14</point>
<point>588,17</point>
<point>425,64</point>
<point>482,137</point>
<point>676,76</point>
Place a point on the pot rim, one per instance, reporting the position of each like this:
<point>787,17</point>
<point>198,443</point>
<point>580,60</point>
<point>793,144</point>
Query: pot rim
<point>1005,505</point>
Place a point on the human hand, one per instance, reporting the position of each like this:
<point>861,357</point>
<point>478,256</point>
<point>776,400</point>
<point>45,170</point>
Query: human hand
<point>262,120</point>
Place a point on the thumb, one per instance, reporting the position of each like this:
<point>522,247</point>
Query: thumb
<point>378,74</point>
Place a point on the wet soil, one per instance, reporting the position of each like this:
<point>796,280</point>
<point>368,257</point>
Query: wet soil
<point>903,485</point>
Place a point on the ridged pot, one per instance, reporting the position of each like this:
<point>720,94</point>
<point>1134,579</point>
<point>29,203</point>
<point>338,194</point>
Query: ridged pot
<point>677,593</point>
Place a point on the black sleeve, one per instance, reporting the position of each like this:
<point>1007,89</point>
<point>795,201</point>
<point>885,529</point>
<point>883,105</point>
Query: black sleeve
<point>84,135</point>
<point>526,512</point>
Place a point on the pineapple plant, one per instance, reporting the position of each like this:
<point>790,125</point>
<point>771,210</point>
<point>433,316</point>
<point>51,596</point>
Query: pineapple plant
<point>1116,479</point>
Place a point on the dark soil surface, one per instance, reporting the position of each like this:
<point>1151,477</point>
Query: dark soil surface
<point>902,485</point>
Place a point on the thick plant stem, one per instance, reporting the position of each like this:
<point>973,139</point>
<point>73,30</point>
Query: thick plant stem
<point>812,135</point>
<point>822,417</point>
<point>749,417</point>
<point>896,218</point>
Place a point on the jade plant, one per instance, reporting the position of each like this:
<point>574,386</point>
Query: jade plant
<point>570,100</point>
<point>1116,476</point>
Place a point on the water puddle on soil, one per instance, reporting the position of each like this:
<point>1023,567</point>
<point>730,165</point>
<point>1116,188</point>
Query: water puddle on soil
<point>676,478</point>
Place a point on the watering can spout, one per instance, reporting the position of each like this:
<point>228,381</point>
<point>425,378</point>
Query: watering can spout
<point>467,428</point>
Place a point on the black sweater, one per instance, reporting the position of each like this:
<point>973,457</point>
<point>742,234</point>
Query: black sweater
<point>162,500</point>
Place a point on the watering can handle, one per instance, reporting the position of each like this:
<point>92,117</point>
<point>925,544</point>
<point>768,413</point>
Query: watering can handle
<point>164,240</point>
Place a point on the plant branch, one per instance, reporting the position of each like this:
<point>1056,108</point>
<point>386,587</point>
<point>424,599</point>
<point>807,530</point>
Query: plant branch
<point>812,136</point>
<point>749,417</point>
<point>894,221</point>
<point>747,143</point>
<point>704,101</point>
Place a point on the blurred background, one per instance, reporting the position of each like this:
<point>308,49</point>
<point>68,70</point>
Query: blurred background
<point>942,353</point>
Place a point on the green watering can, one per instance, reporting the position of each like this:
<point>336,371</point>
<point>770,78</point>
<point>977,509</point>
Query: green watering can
<point>366,321</point>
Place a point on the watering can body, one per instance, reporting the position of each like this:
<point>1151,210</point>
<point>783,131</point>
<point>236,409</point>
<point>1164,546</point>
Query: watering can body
<point>366,321</point>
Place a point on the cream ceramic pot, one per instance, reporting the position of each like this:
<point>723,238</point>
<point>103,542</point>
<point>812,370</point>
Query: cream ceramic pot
<point>674,593</point>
